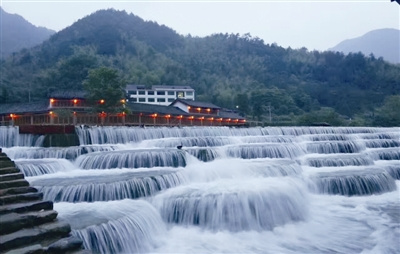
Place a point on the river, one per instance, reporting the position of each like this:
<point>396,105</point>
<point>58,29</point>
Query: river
<point>224,190</point>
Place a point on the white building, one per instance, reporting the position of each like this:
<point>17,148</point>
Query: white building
<point>159,95</point>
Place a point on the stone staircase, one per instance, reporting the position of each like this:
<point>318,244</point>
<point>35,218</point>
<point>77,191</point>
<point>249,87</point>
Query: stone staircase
<point>28,224</point>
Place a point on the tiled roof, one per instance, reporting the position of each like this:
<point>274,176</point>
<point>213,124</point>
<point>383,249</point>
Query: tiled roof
<point>18,108</point>
<point>68,94</point>
<point>230,114</point>
<point>196,103</point>
<point>150,108</point>
<point>155,87</point>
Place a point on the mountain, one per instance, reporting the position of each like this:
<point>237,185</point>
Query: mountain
<point>265,81</point>
<point>381,42</point>
<point>17,33</point>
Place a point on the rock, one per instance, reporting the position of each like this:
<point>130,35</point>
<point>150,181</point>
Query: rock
<point>11,199</point>
<point>41,234</point>
<point>13,221</point>
<point>11,176</point>
<point>64,245</point>
<point>13,183</point>
<point>26,207</point>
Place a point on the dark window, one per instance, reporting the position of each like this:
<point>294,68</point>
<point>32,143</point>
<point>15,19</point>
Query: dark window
<point>150,99</point>
<point>150,92</point>
<point>189,93</point>
<point>142,99</point>
<point>171,93</point>
<point>171,99</point>
<point>141,92</point>
<point>160,99</point>
<point>160,92</point>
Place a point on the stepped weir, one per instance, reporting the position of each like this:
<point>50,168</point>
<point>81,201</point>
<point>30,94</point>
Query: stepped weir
<point>218,189</point>
<point>28,223</point>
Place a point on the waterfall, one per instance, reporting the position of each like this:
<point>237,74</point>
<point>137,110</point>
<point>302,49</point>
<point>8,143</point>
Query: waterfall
<point>110,186</point>
<point>9,137</point>
<point>42,166</point>
<point>117,227</point>
<point>133,159</point>
<point>221,189</point>
<point>234,205</point>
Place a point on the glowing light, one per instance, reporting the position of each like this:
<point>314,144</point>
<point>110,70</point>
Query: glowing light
<point>52,100</point>
<point>167,116</point>
<point>191,117</point>
<point>74,113</point>
<point>189,107</point>
<point>154,115</point>
<point>180,117</point>
<point>198,109</point>
<point>51,113</point>
<point>123,101</point>
<point>12,115</point>
<point>102,101</point>
<point>75,101</point>
<point>208,110</point>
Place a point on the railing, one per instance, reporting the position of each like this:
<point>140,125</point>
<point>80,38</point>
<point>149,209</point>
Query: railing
<point>116,119</point>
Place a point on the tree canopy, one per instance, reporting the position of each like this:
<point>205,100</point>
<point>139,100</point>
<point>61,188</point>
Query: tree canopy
<point>264,80</point>
<point>105,89</point>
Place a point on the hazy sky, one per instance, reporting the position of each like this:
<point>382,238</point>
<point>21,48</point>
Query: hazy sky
<point>312,24</point>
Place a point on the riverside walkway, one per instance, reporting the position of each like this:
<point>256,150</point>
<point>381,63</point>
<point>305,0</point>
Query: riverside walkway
<point>28,224</point>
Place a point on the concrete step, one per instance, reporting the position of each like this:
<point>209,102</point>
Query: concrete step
<point>4,157</point>
<point>12,176</point>
<point>6,163</point>
<point>9,170</point>
<point>13,184</point>
<point>19,190</point>
<point>12,222</point>
<point>19,198</point>
<point>44,234</point>
<point>26,207</point>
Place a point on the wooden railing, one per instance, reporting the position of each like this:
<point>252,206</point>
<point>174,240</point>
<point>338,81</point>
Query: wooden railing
<point>115,119</point>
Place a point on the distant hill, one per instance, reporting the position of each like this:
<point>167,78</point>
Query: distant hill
<point>17,33</point>
<point>381,42</point>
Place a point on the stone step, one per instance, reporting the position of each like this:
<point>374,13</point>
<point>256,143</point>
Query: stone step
<point>26,207</point>
<point>6,163</point>
<point>12,222</point>
<point>12,176</point>
<point>13,184</point>
<point>32,249</point>
<point>9,170</point>
<point>19,190</point>
<point>4,157</point>
<point>44,234</point>
<point>70,245</point>
<point>19,198</point>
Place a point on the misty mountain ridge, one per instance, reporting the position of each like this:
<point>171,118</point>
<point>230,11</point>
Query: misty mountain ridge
<point>17,33</point>
<point>381,42</point>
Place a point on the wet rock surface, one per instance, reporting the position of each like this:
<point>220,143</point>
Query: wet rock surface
<point>28,224</point>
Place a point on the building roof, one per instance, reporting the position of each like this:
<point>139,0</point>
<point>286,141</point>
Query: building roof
<point>156,87</point>
<point>18,108</point>
<point>197,104</point>
<point>68,94</point>
<point>227,113</point>
<point>172,87</point>
<point>151,108</point>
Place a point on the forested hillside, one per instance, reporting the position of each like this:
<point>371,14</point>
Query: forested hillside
<point>264,81</point>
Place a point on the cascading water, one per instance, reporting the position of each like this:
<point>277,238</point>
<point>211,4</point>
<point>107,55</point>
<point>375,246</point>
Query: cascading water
<point>257,190</point>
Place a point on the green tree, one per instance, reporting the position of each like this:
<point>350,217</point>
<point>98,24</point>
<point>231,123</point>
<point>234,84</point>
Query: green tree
<point>105,89</point>
<point>389,113</point>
